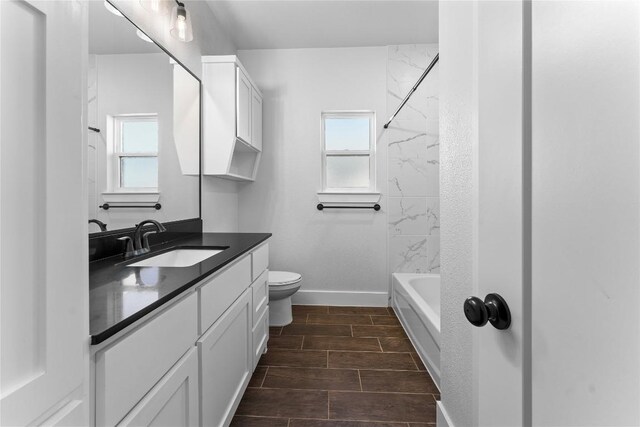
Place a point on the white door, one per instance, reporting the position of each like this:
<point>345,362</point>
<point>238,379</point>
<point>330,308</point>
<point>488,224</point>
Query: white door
<point>586,213</point>
<point>43,223</point>
<point>500,228</point>
<point>540,108</point>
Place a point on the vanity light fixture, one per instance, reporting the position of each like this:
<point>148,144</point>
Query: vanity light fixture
<point>181,23</point>
<point>112,9</point>
<point>159,7</point>
<point>143,36</point>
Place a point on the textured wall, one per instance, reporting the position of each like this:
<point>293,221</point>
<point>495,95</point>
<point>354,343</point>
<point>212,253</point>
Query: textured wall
<point>339,250</point>
<point>586,223</point>
<point>413,161</point>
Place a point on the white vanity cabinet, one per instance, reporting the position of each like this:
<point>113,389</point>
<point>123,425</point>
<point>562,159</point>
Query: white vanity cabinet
<point>260,331</point>
<point>129,368</point>
<point>231,119</point>
<point>230,348</point>
<point>190,363</point>
<point>173,401</point>
<point>226,358</point>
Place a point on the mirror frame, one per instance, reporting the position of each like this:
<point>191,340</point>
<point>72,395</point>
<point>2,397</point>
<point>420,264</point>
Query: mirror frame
<point>120,231</point>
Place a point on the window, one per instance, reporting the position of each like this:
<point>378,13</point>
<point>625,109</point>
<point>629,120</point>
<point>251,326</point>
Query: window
<point>348,151</point>
<point>135,153</point>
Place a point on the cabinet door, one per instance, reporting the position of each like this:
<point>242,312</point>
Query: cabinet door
<point>226,360</point>
<point>123,372</point>
<point>43,214</point>
<point>260,336</point>
<point>256,119</point>
<point>173,401</point>
<point>243,107</point>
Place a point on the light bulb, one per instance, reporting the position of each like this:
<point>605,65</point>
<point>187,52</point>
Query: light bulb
<point>181,24</point>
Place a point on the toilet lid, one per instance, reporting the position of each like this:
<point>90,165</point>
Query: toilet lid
<point>277,278</point>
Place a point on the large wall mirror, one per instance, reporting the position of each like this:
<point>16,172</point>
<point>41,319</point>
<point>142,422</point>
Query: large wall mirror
<point>143,158</point>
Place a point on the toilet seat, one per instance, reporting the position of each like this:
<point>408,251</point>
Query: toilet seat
<point>283,278</point>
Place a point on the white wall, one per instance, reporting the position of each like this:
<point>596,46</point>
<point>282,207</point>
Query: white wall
<point>219,197</point>
<point>586,222</point>
<point>335,251</point>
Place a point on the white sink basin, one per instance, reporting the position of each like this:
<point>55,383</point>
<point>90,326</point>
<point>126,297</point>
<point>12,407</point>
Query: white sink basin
<point>177,258</point>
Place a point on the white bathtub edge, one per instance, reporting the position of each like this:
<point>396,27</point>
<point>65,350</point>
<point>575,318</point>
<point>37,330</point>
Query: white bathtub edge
<point>344,298</point>
<point>422,332</point>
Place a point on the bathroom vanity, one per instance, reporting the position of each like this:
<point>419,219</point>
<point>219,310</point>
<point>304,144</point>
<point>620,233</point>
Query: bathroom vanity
<point>178,318</point>
<point>178,345</point>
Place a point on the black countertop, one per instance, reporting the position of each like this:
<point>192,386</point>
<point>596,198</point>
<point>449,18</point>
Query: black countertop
<point>120,295</point>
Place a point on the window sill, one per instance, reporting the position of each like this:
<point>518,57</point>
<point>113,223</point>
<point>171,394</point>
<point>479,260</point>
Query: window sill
<point>349,197</point>
<point>131,197</point>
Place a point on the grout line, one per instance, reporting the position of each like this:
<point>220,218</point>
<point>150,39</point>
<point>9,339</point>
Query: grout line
<point>346,368</point>
<point>347,420</point>
<point>414,362</point>
<point>302,343</point>
<point>327,359</point>
<point>265,377</point>
<point>360,380</point>
<point>380,345</point>
<point>289,422</point>
<point>412,393</point>
<point>328,405</point>
<point>351,326</point>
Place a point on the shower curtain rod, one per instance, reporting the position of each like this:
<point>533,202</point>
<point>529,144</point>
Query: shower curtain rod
<point>413,89</point>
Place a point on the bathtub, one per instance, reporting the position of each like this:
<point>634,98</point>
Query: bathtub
<point>416,301</point>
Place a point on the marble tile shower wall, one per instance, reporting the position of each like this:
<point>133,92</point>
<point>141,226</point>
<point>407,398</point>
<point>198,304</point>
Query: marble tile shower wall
<point>413,156</point>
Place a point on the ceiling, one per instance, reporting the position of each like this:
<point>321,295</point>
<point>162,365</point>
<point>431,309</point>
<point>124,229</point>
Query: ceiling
<point>278,24</point>
<point>111,34</point>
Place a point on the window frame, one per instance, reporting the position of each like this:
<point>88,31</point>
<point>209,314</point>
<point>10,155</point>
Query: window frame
<point>371,152</point>
<point>116,155</point>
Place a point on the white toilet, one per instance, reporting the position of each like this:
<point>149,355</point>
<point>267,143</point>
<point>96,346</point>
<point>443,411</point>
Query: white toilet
<point>282,285</point>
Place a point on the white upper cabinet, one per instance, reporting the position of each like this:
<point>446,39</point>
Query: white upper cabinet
<point>44,306</point>
<point>243,117</point>
<point>256,119</point>
<point>231,119</point>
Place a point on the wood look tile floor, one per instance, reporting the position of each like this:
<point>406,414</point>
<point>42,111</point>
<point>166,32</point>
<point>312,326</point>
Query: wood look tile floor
<point>339,367</point>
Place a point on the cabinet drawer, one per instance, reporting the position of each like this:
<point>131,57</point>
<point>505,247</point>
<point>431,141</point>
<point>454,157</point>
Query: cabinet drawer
<point>126,371</point>
<point>217,295</point>
<point>260,336</point>
<point>260,292</point>
<point>260,260</point>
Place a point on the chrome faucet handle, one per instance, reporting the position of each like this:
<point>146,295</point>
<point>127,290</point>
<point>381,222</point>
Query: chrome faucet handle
<point>145,240</point>
<point>128,251</point>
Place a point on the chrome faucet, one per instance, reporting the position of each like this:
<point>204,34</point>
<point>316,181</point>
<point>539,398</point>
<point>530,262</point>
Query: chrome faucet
<point>140,243</point>
<point>102,225</point>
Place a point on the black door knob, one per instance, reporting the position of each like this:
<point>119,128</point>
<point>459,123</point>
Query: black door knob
<point>493,309</point>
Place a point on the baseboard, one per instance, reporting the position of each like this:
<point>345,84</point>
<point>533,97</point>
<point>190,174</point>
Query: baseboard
<point>344,298</point>
<point>442,417</point>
